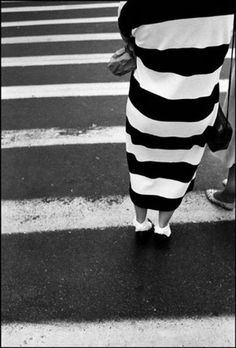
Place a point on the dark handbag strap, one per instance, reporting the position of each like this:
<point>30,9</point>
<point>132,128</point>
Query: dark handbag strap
<point>230,71</point>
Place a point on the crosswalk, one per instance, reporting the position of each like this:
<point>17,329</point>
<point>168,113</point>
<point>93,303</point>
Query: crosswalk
<point>65,197</point>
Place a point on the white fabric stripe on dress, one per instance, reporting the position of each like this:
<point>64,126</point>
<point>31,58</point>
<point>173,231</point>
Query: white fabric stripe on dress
<point>144,154</point>
<point>171,34</point>
<point>168,129</point>
<point>173,86</point>
<point>167,188</point>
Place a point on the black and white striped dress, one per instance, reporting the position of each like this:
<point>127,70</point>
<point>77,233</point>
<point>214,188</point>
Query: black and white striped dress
<point>173,96</point>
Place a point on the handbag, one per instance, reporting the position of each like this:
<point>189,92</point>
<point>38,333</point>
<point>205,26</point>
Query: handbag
<point>220,134</point>
<point>122,61</point>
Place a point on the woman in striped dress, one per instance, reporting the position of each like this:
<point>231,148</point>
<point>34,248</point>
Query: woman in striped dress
<point>173,98</point>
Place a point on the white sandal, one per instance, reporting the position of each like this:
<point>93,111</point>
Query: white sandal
<point>145,226</point>
<point>224,182</point>
<point>163,230</point>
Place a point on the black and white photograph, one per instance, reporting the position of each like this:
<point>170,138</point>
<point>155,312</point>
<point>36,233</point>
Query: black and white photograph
<point>117,173</point>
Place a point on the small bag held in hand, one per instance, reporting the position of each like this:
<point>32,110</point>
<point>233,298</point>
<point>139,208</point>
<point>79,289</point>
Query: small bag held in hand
<point>220,134</point>
<point>122,62</point>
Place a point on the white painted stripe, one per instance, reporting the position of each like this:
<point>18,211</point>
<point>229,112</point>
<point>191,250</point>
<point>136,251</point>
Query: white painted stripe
<point>66,90</point>
<point>73,90</point>
<point>182,332</point>
<point>63,59</point>
<point>56,136</point>
<point>60,38</point>
<point>174,86</point>
<point>56,60</point>
<point>168,129</point>
<point>185,33</point>
<point>192,157</point>
<point>59,7</point>
<point>101,135</point>
<point>59,21</point>
<point>57,214</point>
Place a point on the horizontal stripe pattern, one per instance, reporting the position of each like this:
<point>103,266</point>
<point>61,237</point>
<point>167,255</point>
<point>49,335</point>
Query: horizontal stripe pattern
<point>172,86</point>
<point>163,35</point>
<point>162,155</point>
<point>156,202</point>
<point>65,90</point>
<point>58,21</point>
<point>58,8</point>
<point>140,15</point>
<point>173,97</point>
<point>58,136</point>
<point>172,110</point>
<point>151,141</point>
<point>60,38</point>
<point>168,129</point>
<point>64,59</point>
<point>61,59</point>
<point>64,213</point>
<point>183,61</point>
<point>214,331</point>
<point>180,171</point>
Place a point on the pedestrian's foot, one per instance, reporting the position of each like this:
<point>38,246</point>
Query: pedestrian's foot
<point>162,234</point>
<point>144,229</point>
<point>224,182</point>
<point>219,198</point>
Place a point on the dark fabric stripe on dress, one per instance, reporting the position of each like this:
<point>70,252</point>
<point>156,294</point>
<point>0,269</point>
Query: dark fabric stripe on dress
<point>166,143</point>
<point>135,14</point>
<point>180,171</point>
<point>178,110</point>
<point>183,61</point>
<point>157,202</point>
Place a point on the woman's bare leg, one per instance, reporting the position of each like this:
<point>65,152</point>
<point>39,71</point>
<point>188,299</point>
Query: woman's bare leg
<point>228,194</point>
<point>164,217</point>
<point>141,214</point>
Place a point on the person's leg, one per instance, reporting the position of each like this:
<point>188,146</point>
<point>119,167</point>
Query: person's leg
<point>141,223</point>
<point>228,193</point>
<point>141,214</point>
<point>164,218</point>
<point>162,227</point>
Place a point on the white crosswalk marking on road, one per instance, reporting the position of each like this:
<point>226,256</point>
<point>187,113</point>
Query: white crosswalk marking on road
<point>60,38</point>
<point>188,332</point>
<point>55,136</point>
<point>65,59</point>
<point>57,214</point>
<point>59,7</point>
<point>65,90</point>
<point>59,21</point>
<point>74,90</point>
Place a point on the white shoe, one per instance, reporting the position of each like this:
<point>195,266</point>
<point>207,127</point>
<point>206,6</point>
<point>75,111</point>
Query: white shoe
<point>163,230</point>
<point>224,182</point>
<point>146,225</point>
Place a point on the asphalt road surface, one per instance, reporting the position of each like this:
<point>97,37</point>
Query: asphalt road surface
<point>72,271</point>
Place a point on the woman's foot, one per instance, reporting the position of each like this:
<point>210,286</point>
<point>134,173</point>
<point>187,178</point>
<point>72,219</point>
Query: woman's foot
<point>164,231</point>
<point>221,199</point>
<point>162,235</point>
<point>224,182</point>
<point>143,230</point>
